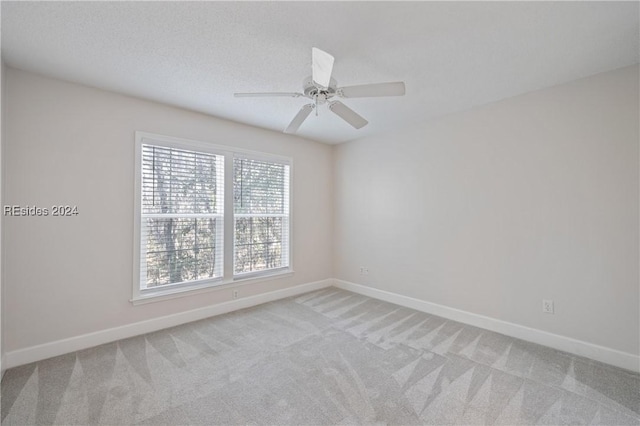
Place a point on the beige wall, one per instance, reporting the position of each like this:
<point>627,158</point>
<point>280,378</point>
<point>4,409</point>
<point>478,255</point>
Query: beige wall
<point>69,144</point>
<point>494,209</point>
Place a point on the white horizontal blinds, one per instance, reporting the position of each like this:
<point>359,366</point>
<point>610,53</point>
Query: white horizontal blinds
<point>182,216</point>
<point>261,215</point>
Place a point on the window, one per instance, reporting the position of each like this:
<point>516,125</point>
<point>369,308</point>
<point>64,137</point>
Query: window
<point>261,214</point>
<point>182,216</point>
<point>207,215</point>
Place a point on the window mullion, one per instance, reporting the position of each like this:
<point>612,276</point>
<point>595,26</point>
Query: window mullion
<point>229,221</point>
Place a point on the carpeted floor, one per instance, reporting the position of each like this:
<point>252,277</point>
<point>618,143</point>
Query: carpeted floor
<point>327,357</point>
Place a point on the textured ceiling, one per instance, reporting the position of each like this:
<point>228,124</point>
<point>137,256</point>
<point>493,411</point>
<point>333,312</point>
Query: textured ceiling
<point>452,56</point>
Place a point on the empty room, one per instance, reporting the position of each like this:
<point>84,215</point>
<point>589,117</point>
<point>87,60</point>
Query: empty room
<point>320,213</point>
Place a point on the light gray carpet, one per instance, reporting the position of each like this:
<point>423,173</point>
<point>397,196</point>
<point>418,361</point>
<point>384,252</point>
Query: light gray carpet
<point>328,357</point>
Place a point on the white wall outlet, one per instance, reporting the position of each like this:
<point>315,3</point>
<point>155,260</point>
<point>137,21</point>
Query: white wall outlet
<point>547,306</point>
<point>364,270</point>
<point>234,293</point>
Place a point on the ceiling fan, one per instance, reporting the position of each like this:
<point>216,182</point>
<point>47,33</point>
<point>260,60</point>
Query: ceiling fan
<point>321,88</point>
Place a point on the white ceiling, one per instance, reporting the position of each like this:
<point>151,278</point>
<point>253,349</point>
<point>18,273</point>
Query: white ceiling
<point>452,56</point>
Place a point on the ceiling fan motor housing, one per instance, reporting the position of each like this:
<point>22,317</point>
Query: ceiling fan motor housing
<point>311,90</point>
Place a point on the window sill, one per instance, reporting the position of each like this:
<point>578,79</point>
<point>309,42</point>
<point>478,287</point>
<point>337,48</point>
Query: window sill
<point>173,293</point>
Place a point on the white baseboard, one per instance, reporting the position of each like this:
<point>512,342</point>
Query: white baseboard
<point>72,344</point>
<point>563,343</point>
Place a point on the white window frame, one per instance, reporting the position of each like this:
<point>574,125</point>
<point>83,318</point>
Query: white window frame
<point>228,279</point>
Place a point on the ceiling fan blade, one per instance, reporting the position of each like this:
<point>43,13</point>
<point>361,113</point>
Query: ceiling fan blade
<point>371,90</point>
<point>299,119</point>
<point>322,66</point>
<point>347,114</point>
<point>266,94</point>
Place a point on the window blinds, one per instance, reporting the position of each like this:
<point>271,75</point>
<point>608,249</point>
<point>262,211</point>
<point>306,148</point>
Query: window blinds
<point>261,215</point>
<point>182,216</point>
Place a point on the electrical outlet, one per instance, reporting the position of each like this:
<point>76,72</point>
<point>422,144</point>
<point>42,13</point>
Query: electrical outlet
<point>364,270</point>
<point>547,306</point>
<point>235,294</point>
